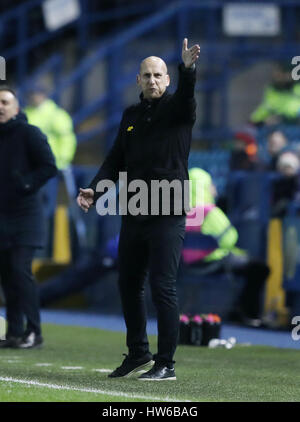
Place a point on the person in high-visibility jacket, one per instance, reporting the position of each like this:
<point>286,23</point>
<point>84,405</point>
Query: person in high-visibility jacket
<point>55,122</point>
<point>212,246</point>
<point>281,100</point>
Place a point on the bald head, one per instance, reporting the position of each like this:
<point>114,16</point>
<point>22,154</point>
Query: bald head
<point>153,78</point>
<point>153,60</point>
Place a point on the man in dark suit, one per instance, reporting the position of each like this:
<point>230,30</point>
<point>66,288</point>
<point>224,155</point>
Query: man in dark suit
<point>153,143</point>
<point>26,163</point>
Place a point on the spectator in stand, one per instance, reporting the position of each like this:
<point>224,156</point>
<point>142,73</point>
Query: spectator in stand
<point>286,187</point>
<point>276,144</point>
<point>55,122</point>
<point>212,248</point>
<point>281,99</point>
<point>244,153</point>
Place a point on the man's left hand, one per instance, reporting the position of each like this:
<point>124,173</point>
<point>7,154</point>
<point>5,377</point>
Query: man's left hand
<point>189,55</point>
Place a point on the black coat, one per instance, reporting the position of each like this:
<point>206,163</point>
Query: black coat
<point>154,138</point>
<point>26,163</point>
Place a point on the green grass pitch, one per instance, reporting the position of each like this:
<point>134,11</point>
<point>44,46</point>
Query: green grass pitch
<point>74,363</point>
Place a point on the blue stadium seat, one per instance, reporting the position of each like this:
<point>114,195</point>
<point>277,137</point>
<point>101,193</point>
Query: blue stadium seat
<point>215,162</point>
<point>249,196</point>
<point>216,293</point>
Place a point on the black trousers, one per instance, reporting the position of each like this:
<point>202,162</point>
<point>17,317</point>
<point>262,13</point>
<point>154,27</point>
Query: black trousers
<point>20,290</point>
<point>150,248</point>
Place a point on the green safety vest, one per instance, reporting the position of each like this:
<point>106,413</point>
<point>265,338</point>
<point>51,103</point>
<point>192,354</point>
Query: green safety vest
<point>215,224</point>
<point>57,125</point>
<point>284,103</point>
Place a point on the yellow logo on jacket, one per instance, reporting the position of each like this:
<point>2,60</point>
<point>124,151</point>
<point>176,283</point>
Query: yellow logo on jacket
<point>129,129</point>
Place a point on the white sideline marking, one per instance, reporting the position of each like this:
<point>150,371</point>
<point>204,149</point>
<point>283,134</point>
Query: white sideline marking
<point>102,370</point>
<point>71,367</point>
<point>10,358</point>
<point>43,364</point>
<point>85,390</point>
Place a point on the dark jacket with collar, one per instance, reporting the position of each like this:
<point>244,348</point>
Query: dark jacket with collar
<point>26,163</point>
<point>154,138</point>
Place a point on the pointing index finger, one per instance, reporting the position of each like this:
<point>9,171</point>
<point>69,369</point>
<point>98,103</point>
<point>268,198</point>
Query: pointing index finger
<point>184,44</point>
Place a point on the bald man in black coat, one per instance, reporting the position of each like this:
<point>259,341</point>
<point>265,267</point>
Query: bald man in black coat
<point>153,143</point>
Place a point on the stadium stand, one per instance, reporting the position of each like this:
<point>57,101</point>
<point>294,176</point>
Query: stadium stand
<point>76,58</point>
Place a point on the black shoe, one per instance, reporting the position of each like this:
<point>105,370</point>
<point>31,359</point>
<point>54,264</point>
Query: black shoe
<point>130,366</point>
<point>158,373</point>
<point>31,341</point>
<point>11,342</point>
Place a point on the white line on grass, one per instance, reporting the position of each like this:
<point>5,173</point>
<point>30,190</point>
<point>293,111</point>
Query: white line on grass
<point>43,364</point>
<point>85,390</point>
<point>12,357</point>
<point>71,367</point>
<point>102,370</point>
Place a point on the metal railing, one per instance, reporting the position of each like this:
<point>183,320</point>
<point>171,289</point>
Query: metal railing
<point>248,50</point>
<point>24,43</point>
<point>217,50</point>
